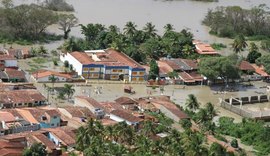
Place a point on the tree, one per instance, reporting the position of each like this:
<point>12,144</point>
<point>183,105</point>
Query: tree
<point>130,29</point>
<point>210,110</point>
<point>186,124</point>
<point>53,79</point>
<point>66,64</point>
<point>265,61</point>
<point>150,30</point>
<point>148,129</point>
<point>215,67</point>
<point>239,43</point>
<point>66,22</point>
<point>217,150</point>
<point>36,149</point>
<point>253,54</point>
<point>187,49</point>
<point>154,70</point>
<point>192,102</point>
<point>69,90</point>
<point>234,143</point>
<point>42,50</point>
<point>168,28</point>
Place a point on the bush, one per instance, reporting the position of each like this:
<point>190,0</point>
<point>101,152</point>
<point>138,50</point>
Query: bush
<point>218,46</point>
<point>234,143</point>
<point>66,64</point>
<point>55,62</point>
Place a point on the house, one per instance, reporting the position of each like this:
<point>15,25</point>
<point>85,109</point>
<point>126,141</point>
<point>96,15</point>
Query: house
<point>12,124</point>
<point>122,115</point>
<point>127,103</point>
<point>186,69</point>
<point>46,118</point>
<point>95,107</point>
<point>203,48</point>
<point>260,71</point>
<point>19,53</point>
<point>44,76</point>
<point>248,72</point>
<point>21,98</point>
<point>12,75</point>
<point>105,64</point>
<point>11,148</point>
<point>7,61</point>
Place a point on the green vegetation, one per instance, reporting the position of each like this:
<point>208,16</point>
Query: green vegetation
<point>36,149</point>
<point>250,132</point>
<point>154,70</point>
<point>265,61</point>
<point>239,43</point>
<point>254,53</point>
<point>141,45</point>
<point>233,20</point>
<point>26,24</point>
<point>219,67</point>
<point>57,5</point>
<point>218,46</point>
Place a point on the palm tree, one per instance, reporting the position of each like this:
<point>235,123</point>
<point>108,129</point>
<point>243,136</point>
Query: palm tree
<point>239,43</point>
<point>130,29</point>
<point>35,149</point>
<point>53,79</point>
<point>125,134</point>
<point>168,28</point>
<point>210,110</point>
<point>150,30</point>
<point>69,90</point>
<point>192,103</point>
<point>82,139</point>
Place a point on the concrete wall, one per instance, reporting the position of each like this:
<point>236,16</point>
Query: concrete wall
<point>118,119</point>
<point>77,66</point>
<point>11,63</point>
<point>46,79</point>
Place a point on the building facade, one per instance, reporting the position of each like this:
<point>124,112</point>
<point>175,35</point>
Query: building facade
<point>105,64</point>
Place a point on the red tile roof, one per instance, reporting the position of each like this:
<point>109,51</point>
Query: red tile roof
<point>46,73</point>
<point>15,74</point>
<point>6,116</point>
<point>7,57</point>
<point>260,70</point>
<point>82,57</point>
<point>244,65</point>
<point>186,77</point>
<point>125,115</point>
<point>45,141</point>
<point>91,101</point>
<point>21,96</point>
<point>79,112</point>
<point>203,48</point>
<point>66,136</point>
<point>125,101</point>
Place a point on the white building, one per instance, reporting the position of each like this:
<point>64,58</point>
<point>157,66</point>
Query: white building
<point>105,64</point>
<point>8,61</point>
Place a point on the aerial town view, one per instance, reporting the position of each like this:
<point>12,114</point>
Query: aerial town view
<point>134,77</point>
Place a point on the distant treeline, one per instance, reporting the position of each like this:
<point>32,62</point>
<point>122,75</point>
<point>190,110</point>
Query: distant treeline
<point>234,20</point>
<point>58,5</point>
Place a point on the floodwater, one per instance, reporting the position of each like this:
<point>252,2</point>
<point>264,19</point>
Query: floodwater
<point>181,13</point>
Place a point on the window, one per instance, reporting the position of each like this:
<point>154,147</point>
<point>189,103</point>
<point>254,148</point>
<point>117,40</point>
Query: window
<point>134,79</point>
<point>52,125</point>
<point>54,117</point>
<point>134,73</point>
<point>120,70</point>
<point>85,75</point>
<point>95,75</point>
<point>114,77</point>
<point>141,73</point>
<point>141,79</point>
<point>85,69</point>
<point>114,70</point>
<point>92,69</point>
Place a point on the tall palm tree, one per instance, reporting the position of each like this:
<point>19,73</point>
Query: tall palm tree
<point>53,79</point>
<point>168,28</point>
<point>192,102</point>
<point>69,90</point>
<point>82,138</point>
<point>150,30</point>
<point>210,110</point>
<point>125,134</point>
<point>239,43</point>
<point>130,29</point>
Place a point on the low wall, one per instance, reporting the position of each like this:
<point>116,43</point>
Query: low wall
<point>236,110</point>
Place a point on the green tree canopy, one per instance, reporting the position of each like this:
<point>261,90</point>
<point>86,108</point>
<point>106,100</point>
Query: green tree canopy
<point>218,67</point>
<point>154,70</point>
<point>36,149</point>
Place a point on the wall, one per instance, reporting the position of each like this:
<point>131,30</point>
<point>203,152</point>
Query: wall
<point>11,63</point>
<point>118,119</point>
<point>46,79</point>
<point>55,121</point>
<point>77,66</point>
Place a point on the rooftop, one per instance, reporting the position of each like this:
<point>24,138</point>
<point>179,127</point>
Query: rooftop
<point>125,115</point>
<point>45,73</point>
<point>109,58</point>
<point>90,101</point>
<point>21,96</point>
<point>244,65</point>
<point>203,48</point>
